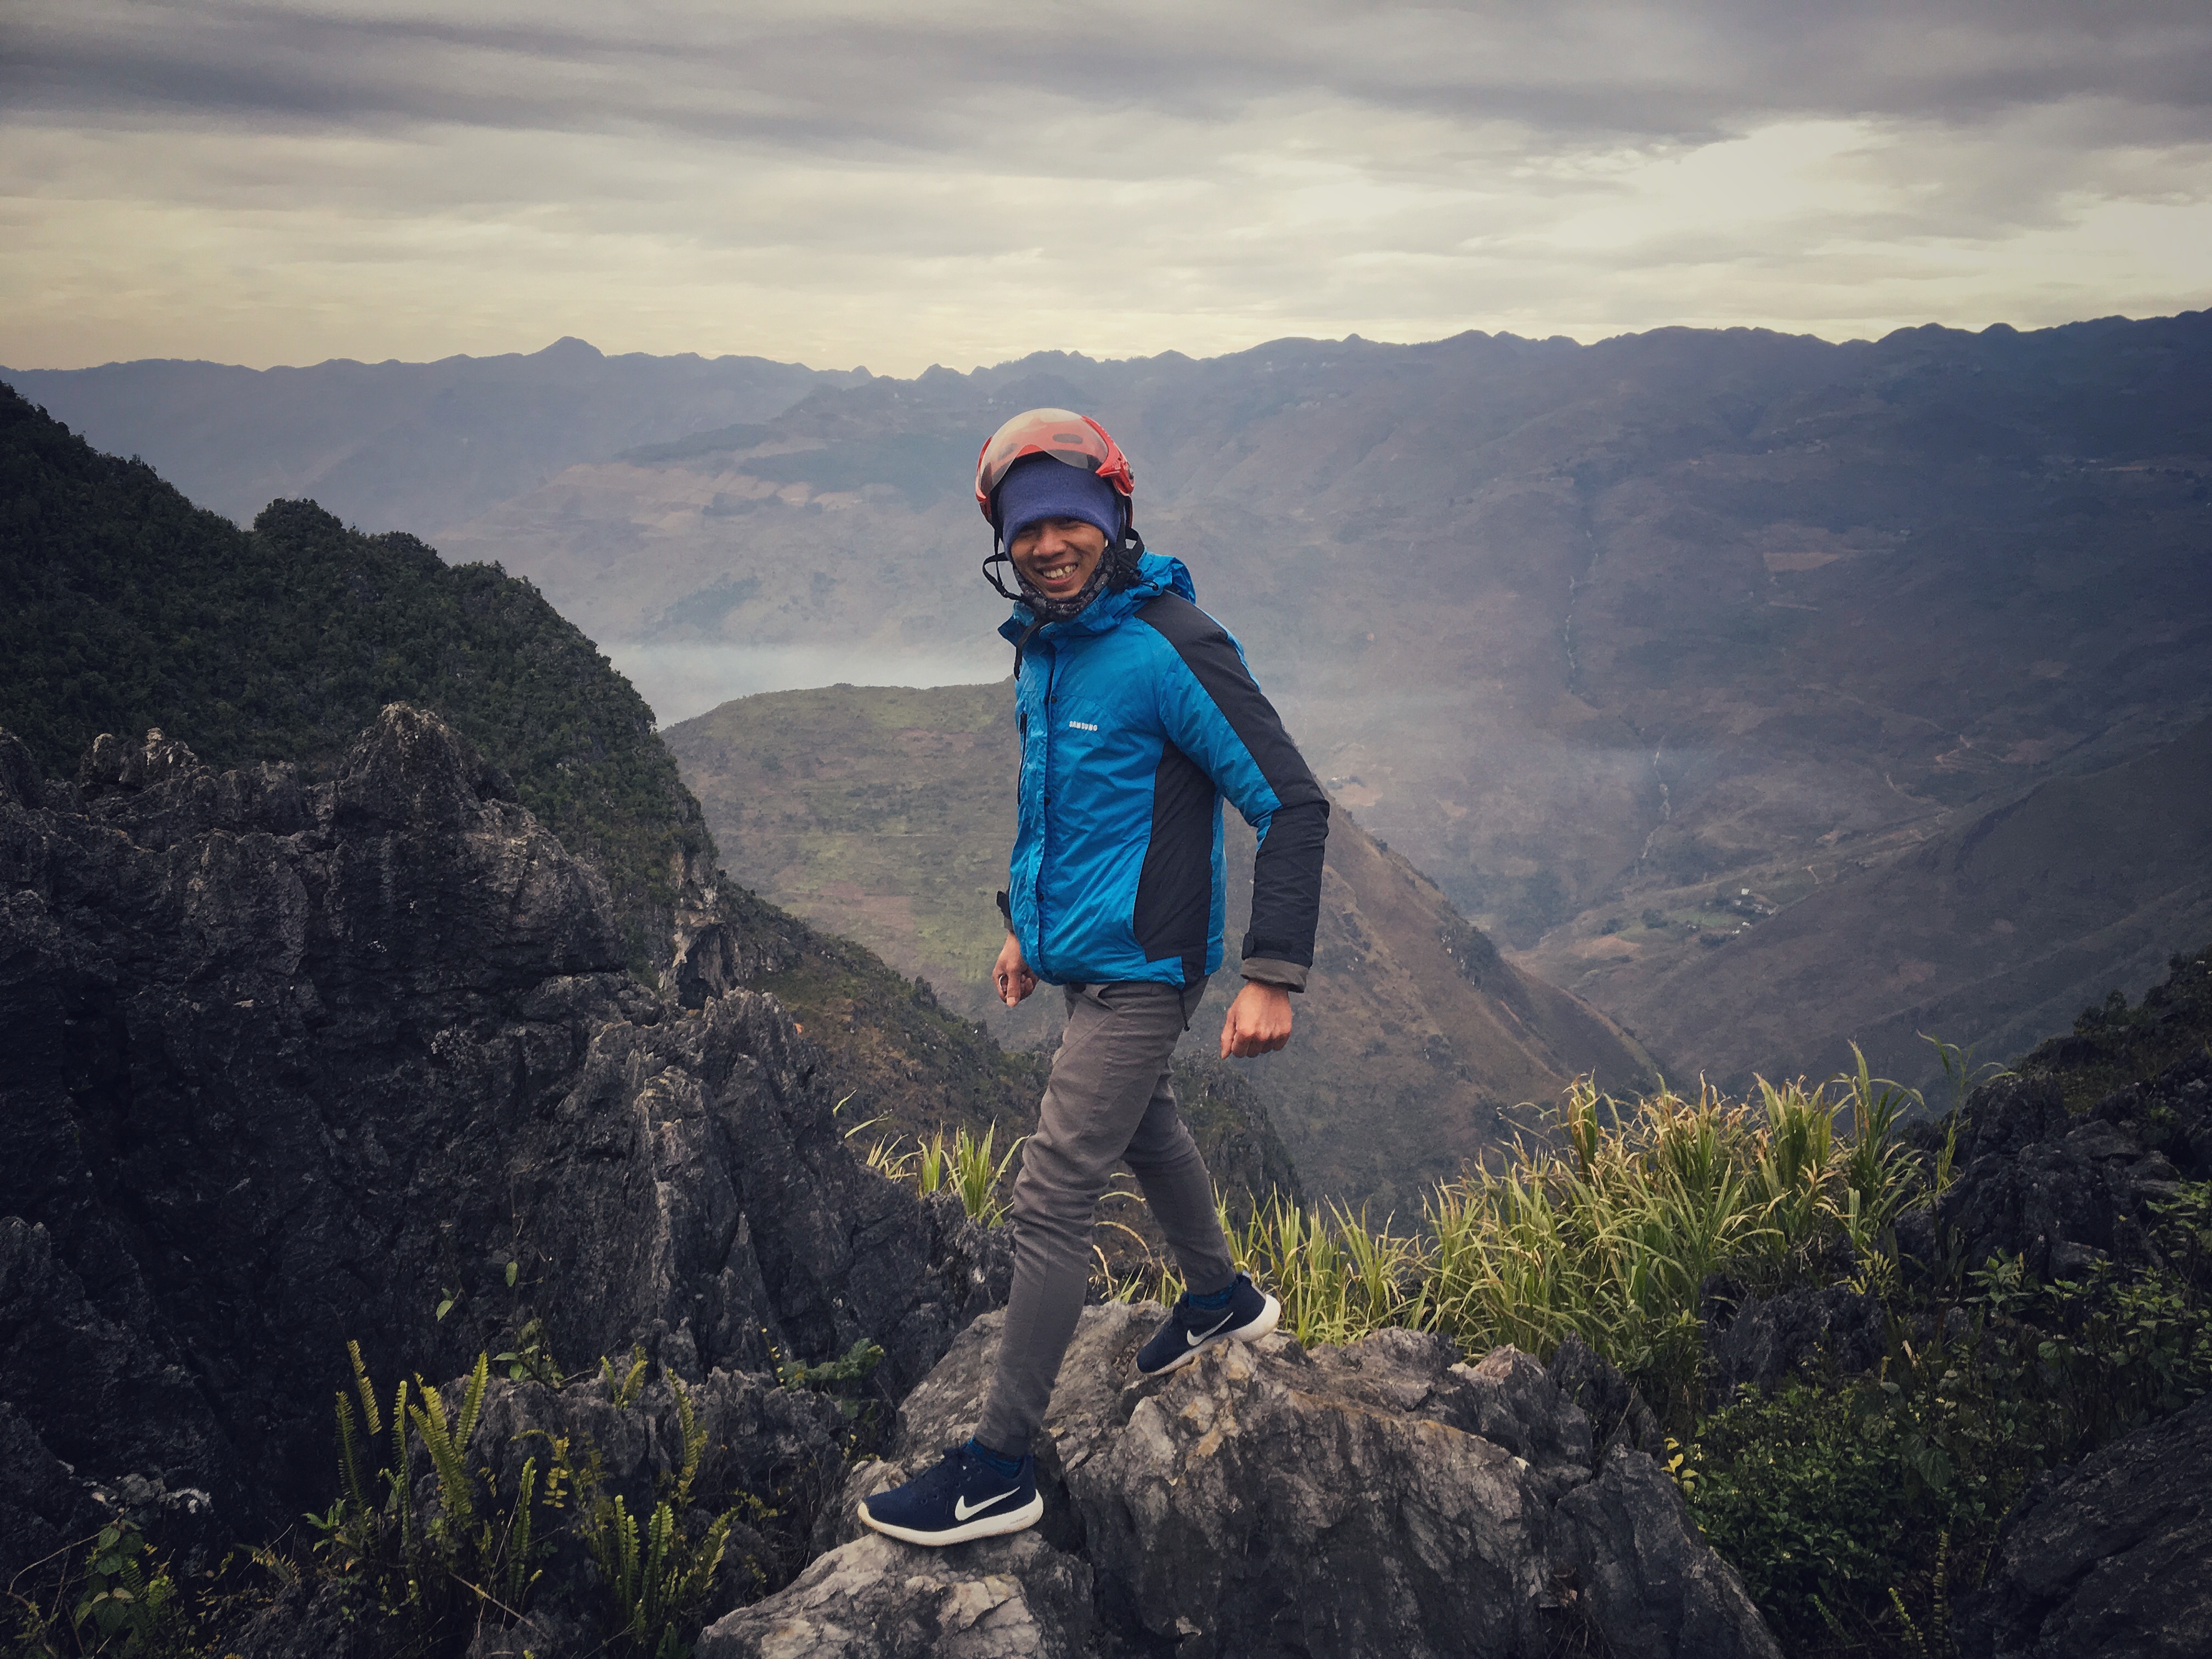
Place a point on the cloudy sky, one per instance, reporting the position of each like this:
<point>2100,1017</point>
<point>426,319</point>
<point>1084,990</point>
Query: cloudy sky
<point>895,185</point>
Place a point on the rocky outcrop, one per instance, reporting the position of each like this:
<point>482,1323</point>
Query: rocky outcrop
<point>1380,1497</point>
<point>2058,1191</point>
<point>1765,1340</point>
<point>292,1063</point>
<point>2109,1558</point>
<point>1637,1576</point>
<point>1617,1412</point>
<point>2171,1113</point>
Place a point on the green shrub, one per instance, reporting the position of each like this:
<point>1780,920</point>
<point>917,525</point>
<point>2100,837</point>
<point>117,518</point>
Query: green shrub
<point>476,1558</point>
<point>657,1578</point>
<point>120,1601</point>
<point>1835,1499</point>
<point>840,1378</point>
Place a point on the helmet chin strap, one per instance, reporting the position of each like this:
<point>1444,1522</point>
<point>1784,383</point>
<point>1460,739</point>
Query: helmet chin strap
<point>1125,555</point>
<point>1000,555</point>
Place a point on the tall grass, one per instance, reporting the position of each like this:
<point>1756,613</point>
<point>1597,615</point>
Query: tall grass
<point>1608,1232</point>
<point>965,1164</point>
<point>1338,1277</point>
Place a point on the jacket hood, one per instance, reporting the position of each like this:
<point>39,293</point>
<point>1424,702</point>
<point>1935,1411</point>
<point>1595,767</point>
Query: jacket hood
<point>1156,573</point>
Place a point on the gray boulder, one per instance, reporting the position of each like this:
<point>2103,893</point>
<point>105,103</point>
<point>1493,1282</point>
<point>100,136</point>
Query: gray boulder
<point>1617,1412</point>
<point>1380,1497</point>
<point>1628,1561</point>
<point>2110,1560</point>
<point>1002,1598</point>
<point>2172,1112</point>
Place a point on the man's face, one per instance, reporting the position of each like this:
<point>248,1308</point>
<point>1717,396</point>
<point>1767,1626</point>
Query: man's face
<point>1057,555</point>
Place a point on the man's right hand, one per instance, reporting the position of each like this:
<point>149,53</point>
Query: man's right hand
<point>1011,974</point>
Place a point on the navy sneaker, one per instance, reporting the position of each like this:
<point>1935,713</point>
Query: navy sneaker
<point>1189,1332</point>
<point>963,1498</point>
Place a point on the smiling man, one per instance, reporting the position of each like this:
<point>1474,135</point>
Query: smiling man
<point>1137,716</point>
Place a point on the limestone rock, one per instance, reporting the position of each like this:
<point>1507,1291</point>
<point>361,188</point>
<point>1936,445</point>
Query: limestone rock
<point>1627,1557</point>
<point>999,1598</point>
<point>2059,1203</point>
<point>2171,1113</point>
<point>1378,1498</point>
<point>306,1622</point>
<point>292,1062</point>
<point>2110,1560</point>
<point>1617,1412</point>
<point>1766,1340</point>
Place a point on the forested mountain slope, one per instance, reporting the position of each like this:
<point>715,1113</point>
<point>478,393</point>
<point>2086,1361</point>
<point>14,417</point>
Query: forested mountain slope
<point>123,607</point>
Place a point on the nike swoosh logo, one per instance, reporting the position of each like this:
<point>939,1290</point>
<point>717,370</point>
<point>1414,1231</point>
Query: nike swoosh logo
<point>962,1508</point>
<point>1196,1337</point>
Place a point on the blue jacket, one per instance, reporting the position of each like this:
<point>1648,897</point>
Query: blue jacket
<point>1136,717</point>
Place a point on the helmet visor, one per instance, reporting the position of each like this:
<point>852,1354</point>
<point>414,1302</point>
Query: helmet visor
<point>1061,434</point>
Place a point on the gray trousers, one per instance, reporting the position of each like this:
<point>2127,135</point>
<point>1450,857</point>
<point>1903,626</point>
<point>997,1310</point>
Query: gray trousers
<point>1109,1101</point>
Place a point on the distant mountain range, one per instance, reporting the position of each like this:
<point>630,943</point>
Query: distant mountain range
<point>885,816</point>
<point>1635,646</point>
<point>413,446</point>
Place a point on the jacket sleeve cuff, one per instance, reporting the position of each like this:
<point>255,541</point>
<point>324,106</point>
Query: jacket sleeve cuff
<point>1270,970</point>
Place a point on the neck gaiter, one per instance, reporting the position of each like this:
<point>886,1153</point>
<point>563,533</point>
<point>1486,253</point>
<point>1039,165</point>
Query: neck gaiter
<point>1057,611</point>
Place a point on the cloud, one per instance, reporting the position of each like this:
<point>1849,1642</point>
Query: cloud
<point>966,183</point>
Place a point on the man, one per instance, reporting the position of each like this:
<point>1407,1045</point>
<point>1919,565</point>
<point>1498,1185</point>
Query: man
<point>1137,715</point>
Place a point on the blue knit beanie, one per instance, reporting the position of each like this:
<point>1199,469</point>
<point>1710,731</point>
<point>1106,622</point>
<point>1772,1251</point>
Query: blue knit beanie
<point>1039,486</point>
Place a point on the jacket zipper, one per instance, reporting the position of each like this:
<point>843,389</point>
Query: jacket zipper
<point>1044,802</point>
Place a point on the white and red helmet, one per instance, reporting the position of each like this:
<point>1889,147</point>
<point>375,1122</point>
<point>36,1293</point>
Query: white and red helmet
<point>1073,440</point>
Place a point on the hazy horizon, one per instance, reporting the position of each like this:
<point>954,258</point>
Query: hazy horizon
<point>1354,338</point>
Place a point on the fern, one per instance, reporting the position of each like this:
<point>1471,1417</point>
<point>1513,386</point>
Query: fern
<point>447,1445</point>
<point>361,1385</point>
<point>1915,1643</point>
<point>472,1403</point>
<point>613,1543</point>
<point>623,1391</point>
<point>706,1559</point>
<point>349,1456</point>
<point>402,1493</point>
<point>694,1439</point>
<point>519,1536</point>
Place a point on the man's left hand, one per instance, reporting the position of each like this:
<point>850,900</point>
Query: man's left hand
<point>1259,1021</point>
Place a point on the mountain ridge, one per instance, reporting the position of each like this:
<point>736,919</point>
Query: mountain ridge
<point>1591,632</point>
<point>399,445</point>
<point>124,607</point>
